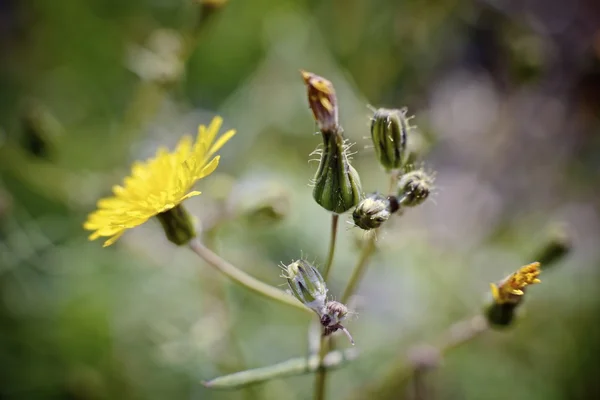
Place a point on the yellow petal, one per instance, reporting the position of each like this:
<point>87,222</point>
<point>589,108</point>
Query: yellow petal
<point>212,130</point>
<point>209,168</point>
<point>220,142</point>
<point>112,239</point>
<point>191,194</point>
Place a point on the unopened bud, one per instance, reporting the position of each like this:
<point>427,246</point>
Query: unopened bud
<point>331,318</point>
<point>306,284</point>
<point>414,187</point>
<point>322,101</point>
<point>374,210</point>
<point>337,184</point>
<point>389,130</point>
<point>556,247</point>
<point>500,315</point>
<point>177,224</point>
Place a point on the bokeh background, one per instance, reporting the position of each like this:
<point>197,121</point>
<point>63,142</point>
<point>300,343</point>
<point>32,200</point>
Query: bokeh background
<point>506,95</point>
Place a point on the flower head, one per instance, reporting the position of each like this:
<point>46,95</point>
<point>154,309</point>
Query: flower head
<point>322,101</point>
<point>414,188</point>
<point>374,210</point>
<point>306,284</point>
<point>389,130</point>
<point>158,184</point>
<point>511,289</point>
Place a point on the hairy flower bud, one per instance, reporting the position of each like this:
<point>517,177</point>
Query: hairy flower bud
<point>414,188</point>
<point>389,130</point>
<point>332,316</point>
<point>177,224</point>
<point>306,284</point>
<point>337,185</point>
<point>374,210</point>
<point>322,101</point>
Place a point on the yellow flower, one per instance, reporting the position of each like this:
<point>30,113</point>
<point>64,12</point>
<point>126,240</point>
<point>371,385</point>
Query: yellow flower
<point>512,288</point>
<point>158,185</point>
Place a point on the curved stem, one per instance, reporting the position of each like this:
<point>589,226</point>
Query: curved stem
<point>359,270</point>
<point>242,278</point>
<point>334,227</point>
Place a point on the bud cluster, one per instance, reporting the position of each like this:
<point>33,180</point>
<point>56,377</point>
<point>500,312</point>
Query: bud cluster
<point>307,285</point>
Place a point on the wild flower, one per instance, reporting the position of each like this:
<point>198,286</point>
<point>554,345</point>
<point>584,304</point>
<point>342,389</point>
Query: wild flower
<point>158,185</point>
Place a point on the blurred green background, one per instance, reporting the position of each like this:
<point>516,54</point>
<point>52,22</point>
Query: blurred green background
<point>506,96</point>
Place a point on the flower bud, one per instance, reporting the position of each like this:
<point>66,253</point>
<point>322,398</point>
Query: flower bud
<point>332,316</point>
<point>337,185</point>
<point>556,246</point>
<point>389,129</point>
<point>306,284</point>
<point>500,315</point>
<point>177,224</point>
<point>374,210</point>
<point>322,101</point>
<point>414,188</point>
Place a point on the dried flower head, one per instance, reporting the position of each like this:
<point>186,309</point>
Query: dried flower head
<point>306,284</point>
<point>322,101</point>
<point>389,129</point>
<point>374,210</point>
<point>414,187</point>
<point>332,316</point>
<point>511,289</point>
<point>158,185</point>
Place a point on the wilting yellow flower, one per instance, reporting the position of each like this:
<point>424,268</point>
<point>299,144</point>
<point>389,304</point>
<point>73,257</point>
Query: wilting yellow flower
<point>159,184</point>
<point>512,288</point>
<point>322,101</point>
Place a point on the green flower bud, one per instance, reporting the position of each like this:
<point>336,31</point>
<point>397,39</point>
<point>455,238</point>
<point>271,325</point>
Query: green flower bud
<point>337,184</point>
<point>306,284</point>
<point>332,316</point>
<point>178,225</point>
<point>556,246</point>
<point>500,315</point>
<point>414,188</point>
<point>389,129</point>
<point>374,210</point>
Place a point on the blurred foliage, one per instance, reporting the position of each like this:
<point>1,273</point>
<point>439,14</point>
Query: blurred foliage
<point>507,94</point>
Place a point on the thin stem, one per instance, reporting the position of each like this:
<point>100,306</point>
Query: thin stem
<point>242,278</point>
<point>292,367</point>
<point>334,228</point>
<point>321,375</point>
<point>367,251</point>
<point>360,268</point>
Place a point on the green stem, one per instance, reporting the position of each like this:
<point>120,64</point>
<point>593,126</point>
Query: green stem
<point>293,367</point>
<point>321,375</point>
<point>359,270</point>
<point>334,228</point>
<point>243,279</point>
